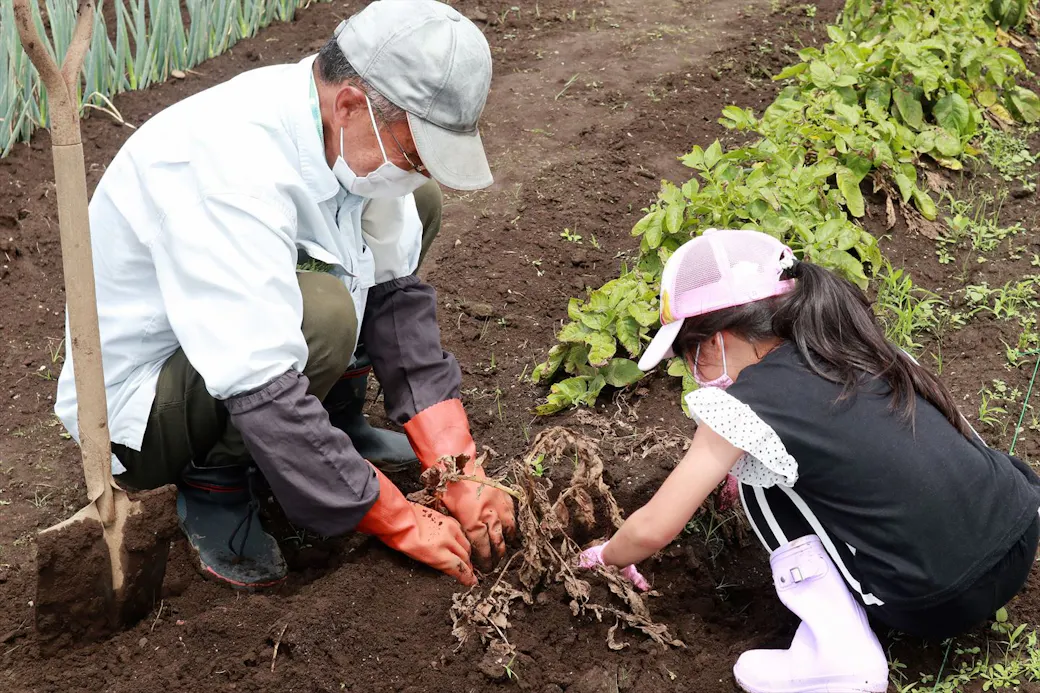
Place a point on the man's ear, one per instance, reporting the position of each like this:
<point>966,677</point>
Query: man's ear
<point>348,100</point>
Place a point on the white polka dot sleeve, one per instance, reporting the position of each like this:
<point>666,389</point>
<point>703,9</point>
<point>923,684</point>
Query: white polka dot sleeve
<point>765,461</point>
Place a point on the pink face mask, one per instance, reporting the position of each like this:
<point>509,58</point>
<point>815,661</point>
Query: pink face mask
<point>721,382</point>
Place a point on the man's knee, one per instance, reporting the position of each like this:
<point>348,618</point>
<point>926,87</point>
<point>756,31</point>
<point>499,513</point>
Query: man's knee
<point>429,202</point>
<point>329,322</point>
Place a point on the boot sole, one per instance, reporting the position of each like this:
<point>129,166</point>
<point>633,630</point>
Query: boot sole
<point>817,688</point>
<point>210,574</point>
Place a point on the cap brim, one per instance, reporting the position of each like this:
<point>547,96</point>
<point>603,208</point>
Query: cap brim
<point>454,159</point>
<point>660,347</point>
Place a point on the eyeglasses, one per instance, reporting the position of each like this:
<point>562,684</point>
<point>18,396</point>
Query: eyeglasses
<point>418,168</point>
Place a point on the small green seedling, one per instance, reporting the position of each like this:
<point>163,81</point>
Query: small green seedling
<point>569,235</point>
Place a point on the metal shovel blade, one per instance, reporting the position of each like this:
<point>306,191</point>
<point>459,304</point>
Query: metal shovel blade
<point>92,580</point>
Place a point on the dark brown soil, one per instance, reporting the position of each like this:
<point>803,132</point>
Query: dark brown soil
<point>591,104</point>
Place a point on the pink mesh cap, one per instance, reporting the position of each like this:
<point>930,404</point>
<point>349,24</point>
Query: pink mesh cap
<point>716,270</point>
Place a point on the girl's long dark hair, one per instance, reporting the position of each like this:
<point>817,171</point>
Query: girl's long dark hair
<point>830,321</point>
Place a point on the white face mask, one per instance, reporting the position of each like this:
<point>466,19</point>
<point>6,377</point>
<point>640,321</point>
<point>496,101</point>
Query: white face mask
<point>387,181</point>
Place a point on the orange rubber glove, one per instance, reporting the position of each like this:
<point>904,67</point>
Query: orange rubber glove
<point>485,512</point>
<point>423,534</point>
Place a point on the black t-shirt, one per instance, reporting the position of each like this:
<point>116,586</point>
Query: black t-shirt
<point>926,510</point>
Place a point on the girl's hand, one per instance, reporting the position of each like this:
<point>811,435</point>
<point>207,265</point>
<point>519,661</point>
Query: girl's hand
<point>729,496</point>
<point>593,557</point>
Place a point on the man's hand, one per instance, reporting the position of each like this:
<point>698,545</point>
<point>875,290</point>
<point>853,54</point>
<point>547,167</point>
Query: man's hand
<point>440,543</point>
<point>485,513</point>
<point>418,532</point>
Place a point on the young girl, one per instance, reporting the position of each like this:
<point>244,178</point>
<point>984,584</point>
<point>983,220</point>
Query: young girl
<point>872,494</point>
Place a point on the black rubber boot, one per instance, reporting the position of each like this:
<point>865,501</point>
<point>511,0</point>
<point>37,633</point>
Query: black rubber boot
<point>388,450</point>
<point>219,513</point>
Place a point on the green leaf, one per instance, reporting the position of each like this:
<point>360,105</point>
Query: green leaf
<point>909,107</point>
<point>643,224</point>
<point>1007,13</point>
<point>821,73</point>
<point>628,335</point>
<point>947,144</point>
<point>695,159</point>
<point>674,217</point>
<point>573,332</point>
<point>567,393</point>
<point>597,321</point>
<point>677,368</point>
<point>602,346</point>
<point>572,388</point>
<point>712,155</point>
<point>906,186</point>
<point>792,71</point>
<point>849,236</point>
<point>546,370</point>
<point>903,25</point>
<point>758,209</point>
<point>690,188</point>
<point>849,187</point>
<point>643,314</point>
<point>574,309</point>
<point>925,140</point>
<point>1026,104</point>
<point>736,117</point>
<point>595,386</point>
<point>600,300</point>
<point>952,164</point>
<point>828,231</point>
<point>554,403</point>
<point>577,359</point>
<point>859,165</point>
<point>621,372</point>
<point>844,263</point>
<point>655,230</point>
<point>880,92</point>
<point>986,98</point>
<point>953,114</point>
<point>849,113</point>
<point>925,204</point>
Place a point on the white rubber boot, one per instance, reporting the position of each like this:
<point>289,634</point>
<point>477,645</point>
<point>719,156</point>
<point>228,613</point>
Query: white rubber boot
<point>834,650</point>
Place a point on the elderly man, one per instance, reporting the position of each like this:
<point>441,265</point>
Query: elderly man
<point>218,353</point>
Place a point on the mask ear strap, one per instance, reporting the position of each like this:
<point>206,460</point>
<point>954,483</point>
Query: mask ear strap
<point>722,347</point>
<point>375,128</point>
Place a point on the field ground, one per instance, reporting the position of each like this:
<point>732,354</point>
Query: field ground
<point>591,105</point>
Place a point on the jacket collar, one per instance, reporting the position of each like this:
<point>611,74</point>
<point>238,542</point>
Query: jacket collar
<point>321,181</point>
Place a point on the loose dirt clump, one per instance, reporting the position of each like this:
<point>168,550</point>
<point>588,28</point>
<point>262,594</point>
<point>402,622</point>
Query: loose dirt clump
<point>547,559</point>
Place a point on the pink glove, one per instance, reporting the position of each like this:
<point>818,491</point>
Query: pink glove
<point>729,496</point>
<point>592,557</point>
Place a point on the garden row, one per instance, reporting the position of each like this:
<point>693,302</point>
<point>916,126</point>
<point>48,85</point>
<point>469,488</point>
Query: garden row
<point>150,42</point>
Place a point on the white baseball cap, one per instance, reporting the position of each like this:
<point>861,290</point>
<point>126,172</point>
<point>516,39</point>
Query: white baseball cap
<point>435,64</point>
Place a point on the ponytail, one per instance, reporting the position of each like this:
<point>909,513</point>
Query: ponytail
<point>830,322</point>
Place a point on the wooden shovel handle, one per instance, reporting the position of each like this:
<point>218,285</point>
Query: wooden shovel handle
<point>77,260</point>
